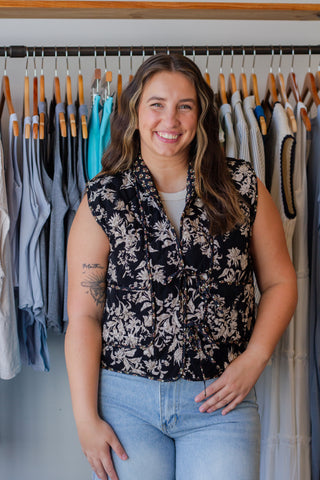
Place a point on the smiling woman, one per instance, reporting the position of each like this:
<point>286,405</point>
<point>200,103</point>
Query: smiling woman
<point>162,341</point>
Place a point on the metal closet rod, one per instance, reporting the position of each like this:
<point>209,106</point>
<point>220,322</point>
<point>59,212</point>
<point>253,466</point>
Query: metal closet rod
<point>20,51</point>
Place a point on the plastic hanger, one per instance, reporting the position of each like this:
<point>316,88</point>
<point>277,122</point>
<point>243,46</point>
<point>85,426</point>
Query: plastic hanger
<point>42,99</point>
<point>119,81</point>
<point>35,127</point>
<point>206,75</point>
<point>5,96</point>
<point>84,127</point>
<point>292,87</point>
<point>232,83</point>
<point>281,88</point>
<point>222,82</point>
<point>56,86</point>
<point>255,91</point>
<point>310,87</point>
<point>26,100</point>
<point>73,126</point>
<point>271,88</point>
<point>243,84</point>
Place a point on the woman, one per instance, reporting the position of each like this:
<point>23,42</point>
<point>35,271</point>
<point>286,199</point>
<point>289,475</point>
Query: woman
<point>163,349</point>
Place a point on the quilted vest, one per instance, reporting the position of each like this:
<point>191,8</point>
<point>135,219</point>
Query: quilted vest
<point>174,308</point>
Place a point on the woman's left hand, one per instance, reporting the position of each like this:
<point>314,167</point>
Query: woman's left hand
<point>233,385</point>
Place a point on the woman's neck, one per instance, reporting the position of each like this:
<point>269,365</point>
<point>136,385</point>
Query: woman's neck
<point>169,176</point>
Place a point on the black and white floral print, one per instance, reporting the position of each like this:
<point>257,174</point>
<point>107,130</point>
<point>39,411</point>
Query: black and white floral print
<point>174,308</point>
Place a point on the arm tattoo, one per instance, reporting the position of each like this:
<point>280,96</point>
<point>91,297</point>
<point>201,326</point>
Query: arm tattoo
<point>94,282</point>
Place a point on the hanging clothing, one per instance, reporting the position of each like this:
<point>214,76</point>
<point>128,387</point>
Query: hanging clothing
<point>93,159</point>
<point>46,181</point>
<point>275,385</point>
<point>240,127</point>
<point>314,306</point>
<point>300,321</point>
<point>105,127</point>
<point>59,209</point>
<point>82,152</point>
<point>14,194</point>
<point>256,145</point>
<point>230,144</point>
<point>10,363</point>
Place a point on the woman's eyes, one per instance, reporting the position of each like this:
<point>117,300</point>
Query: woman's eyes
<point>180,107</point>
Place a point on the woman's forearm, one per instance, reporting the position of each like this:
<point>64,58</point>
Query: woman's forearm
<point>83,351</point>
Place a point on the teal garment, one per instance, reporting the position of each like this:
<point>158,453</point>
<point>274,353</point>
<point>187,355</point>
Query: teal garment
<point>105,128</point>
<point>93,157</point>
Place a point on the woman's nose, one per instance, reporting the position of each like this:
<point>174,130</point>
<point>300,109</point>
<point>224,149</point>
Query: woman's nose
<point>171,116</point>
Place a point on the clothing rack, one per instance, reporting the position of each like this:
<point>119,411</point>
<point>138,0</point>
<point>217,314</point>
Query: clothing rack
<point>20,51</point>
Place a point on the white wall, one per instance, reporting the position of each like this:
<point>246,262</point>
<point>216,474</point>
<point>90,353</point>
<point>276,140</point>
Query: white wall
<point>37,433</point>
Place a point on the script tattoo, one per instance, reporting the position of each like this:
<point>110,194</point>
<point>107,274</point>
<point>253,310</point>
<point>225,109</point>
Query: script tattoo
<point>94,282</point>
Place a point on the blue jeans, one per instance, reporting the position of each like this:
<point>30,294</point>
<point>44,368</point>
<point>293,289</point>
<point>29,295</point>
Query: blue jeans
<point>167,438</point>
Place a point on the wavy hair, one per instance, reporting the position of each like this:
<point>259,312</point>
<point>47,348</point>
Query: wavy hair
<point>213,182</point>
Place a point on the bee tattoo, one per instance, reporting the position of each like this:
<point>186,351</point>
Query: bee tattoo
<point>95,282</point>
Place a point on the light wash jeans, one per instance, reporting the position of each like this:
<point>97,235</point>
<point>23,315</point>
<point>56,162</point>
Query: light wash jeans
<point>167,438</point>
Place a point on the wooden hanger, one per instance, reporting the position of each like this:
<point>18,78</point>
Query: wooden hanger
<point>26,101</point>
<point>271,88</point>
<point>292,87</point>
<point>222,83</point>
<point>119,82</point>
<point>73,126</point>
<point>57,94</point>
<point>42,99</point>
<point>255,91</point>
<point>35,127</point>
<point>206,75</point>
<point>5,97</point>
<point>84,127</point>
<point>232,83</point>
<point>243,85</point>
<point>281,88</point>
<point>310,88</point>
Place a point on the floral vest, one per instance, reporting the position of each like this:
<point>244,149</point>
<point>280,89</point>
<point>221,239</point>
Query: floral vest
<point>174,308</point>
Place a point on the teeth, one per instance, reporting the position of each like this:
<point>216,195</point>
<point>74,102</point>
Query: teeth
<point>169,136</point>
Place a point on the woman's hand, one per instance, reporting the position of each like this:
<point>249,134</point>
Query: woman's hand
<point>233,385</point>
<point>96,439</point>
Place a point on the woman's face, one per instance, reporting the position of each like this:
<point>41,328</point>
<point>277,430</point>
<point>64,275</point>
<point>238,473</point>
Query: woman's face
<point>167,117</point>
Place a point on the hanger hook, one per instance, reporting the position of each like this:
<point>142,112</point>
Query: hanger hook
<point>253,60</point>
<point>67,61</point>
<point>207,60</point>
<point>193,55</point>
<point>79,55</point>
<point>105,59</point>
<point>292,59</point>
<point>42,58</point>
<point>5,61</point>
<point>309,68</point>
<point>232,57</point>
<point>131,53</point>
<point>221,60</point>
<point>243,59</point>
<point>119,60</point>
<point>143,54</point>
<point>183,51</point>
<point>27,62</point>
<point>34,62</point>
<point>154,50</point>
<point>55,62</point>
<point>272,57</point>
<point>280,60</point>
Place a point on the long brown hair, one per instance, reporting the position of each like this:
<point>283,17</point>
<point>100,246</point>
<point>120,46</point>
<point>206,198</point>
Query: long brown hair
<point>213,181</point>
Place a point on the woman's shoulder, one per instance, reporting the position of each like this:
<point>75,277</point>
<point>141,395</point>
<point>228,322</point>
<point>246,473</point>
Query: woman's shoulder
<point>244,178</point>
<point>104,181</point>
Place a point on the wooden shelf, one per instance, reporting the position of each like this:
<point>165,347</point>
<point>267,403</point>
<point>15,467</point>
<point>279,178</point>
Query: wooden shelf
<point>158,10</point>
